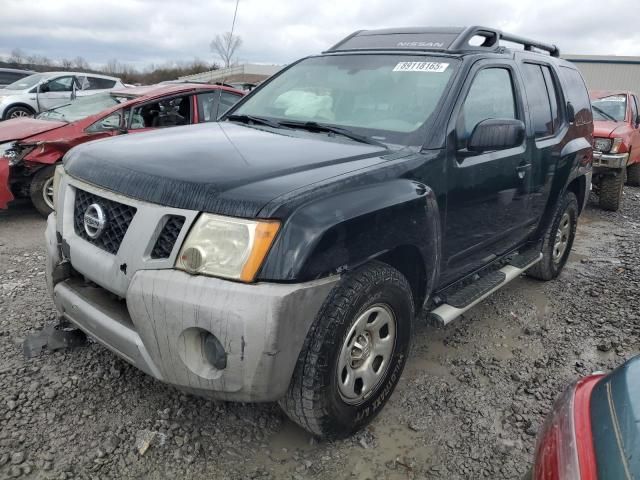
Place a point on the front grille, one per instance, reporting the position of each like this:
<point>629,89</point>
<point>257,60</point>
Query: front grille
<point>118,217</point>
<point>168,236</point>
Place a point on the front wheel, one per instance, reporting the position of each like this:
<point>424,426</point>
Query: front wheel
<point>633,175</point>
<point>41,190</point>
<point>558,239</point>
<point>354,353</point>
<point>610,193</point>
<point>18,112</point>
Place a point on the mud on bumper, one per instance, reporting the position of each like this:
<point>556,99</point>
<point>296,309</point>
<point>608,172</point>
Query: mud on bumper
<point>159,326</point>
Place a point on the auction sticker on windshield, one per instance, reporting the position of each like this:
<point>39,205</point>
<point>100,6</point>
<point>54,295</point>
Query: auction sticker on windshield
<point>433,67</point>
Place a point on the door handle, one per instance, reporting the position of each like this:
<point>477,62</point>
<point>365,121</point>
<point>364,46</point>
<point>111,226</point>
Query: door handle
<point>522,169</point>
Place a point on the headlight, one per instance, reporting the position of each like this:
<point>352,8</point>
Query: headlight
<point>15,152</point>
<point>227,247</point>
<point>57,175</point>
<point>615,147</point>
<point>602,144</point>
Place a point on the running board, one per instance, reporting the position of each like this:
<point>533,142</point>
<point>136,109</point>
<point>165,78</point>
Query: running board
<point>481,289</point>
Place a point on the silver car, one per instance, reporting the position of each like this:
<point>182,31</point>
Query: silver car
<point>44,91</point>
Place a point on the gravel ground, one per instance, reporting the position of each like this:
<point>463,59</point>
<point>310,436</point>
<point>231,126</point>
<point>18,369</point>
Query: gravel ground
<point>468,406</point>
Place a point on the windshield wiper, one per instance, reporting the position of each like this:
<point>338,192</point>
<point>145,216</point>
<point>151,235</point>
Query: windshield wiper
<point>345,132</point>
<point>603,113</point>
<point>250,118</point>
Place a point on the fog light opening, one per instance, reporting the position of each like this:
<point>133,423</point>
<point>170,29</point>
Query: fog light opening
<point>202,353</point>
<point>213,350</point>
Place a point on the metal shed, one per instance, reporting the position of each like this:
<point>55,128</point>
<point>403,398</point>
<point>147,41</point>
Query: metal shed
<point>608,72</point>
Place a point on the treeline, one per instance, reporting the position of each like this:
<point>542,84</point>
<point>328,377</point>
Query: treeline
<point>129,74</point>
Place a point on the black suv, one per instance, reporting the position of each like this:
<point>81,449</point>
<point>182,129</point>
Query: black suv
<point>285,252</point>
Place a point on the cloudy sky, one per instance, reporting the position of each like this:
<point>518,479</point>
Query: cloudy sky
<point>142,32</point>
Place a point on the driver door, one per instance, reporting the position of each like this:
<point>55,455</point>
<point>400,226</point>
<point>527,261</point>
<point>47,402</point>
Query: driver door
<point>55,92</point>
<point>488,191</point>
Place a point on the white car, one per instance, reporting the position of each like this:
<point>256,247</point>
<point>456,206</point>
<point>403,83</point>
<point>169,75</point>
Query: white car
<point>44,91</point>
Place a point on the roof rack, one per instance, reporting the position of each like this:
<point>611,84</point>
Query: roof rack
<point>437,39</point>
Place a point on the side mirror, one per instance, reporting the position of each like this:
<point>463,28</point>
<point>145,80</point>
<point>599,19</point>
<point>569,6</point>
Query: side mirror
<point>43,88</point>
<point>571,112</point>
<point>496,134</point>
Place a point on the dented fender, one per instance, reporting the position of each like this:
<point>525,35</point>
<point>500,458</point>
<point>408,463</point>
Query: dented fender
<point>342,231</point>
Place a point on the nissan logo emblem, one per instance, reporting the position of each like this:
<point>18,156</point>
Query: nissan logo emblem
<point>95,220</point>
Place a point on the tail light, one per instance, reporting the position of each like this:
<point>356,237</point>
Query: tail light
<point>565,446</point>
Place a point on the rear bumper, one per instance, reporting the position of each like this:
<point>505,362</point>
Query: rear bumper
<point>610,160</point>
<point>5,190</point>
<point>158,326</point>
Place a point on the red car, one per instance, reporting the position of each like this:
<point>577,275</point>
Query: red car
<point>616,144</point>
<point>31,147</point>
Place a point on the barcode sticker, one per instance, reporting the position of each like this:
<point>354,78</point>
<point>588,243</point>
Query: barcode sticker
<point>431,67</point>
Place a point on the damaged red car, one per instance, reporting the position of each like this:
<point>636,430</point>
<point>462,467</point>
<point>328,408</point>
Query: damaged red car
<point>30,148</point>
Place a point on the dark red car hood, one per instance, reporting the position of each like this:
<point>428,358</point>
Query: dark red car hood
<point>21,128</point>
<point>603,128</point>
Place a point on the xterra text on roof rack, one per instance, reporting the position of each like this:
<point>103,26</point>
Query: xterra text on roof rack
<point>284,253</point>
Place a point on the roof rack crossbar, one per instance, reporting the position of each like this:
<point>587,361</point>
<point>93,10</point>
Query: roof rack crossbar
<point>460,40</point>
<point>493,36</point>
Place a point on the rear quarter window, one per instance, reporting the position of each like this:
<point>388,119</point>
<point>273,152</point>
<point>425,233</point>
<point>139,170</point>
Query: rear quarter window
<point>576,93</point>
<point>96,83</point>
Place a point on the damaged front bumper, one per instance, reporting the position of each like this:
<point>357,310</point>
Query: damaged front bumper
<point>607,160</point>
<point>5,189</point>
<point>162,325</point>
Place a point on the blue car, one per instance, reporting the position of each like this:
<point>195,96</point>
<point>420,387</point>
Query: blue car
<point>593,431</point>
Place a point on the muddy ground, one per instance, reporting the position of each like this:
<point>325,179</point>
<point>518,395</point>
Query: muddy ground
<point>468,406</point>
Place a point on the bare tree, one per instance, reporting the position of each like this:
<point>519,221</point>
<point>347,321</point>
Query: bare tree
<point>17,56</point>
<point>113,66</point>
<point>66,63</point>
<point>225,47</point>
<point>80,63</point>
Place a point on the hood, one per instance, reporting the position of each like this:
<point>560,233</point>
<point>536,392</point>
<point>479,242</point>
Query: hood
<point>221,168</point>
<point>604,128</point>
<point>21,128</point>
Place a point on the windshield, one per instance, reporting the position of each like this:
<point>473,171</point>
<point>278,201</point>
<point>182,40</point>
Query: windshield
<point>26,82</point>
<point>388,98</point>
<point>83,107</point>
<point>611,107</point>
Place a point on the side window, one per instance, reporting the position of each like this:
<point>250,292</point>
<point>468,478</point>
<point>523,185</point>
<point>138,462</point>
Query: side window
<point>111,122</point>
<point>9,77</point>
<point>538,98</point>
<point>96,83</point>
<point>576,92</point>
<point>634,109</point>
<point>169,112</point>
<point>490,96</point>
<point>207,106</point>
<point>62,84</point>
<point>227,100</point>
<point>556,109</point>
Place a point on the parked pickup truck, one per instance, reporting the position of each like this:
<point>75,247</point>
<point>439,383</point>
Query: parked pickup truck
<point>284,253</point>
<point>616,145</point>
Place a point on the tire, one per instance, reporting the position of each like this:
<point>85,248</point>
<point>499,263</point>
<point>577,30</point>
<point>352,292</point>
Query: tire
<point>611,191</point>
<point>633,175</point>
<point>321,397</point>
<point>41,183</point>
<point>18,112</point>
<point>561,229</point>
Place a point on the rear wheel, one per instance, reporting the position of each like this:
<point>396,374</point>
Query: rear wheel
<point>354,353</point>
<point>633,175</point>
<point>611,191</point>
<point>18,112</point>
<point>558,240</point>
<point>41,190</point>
